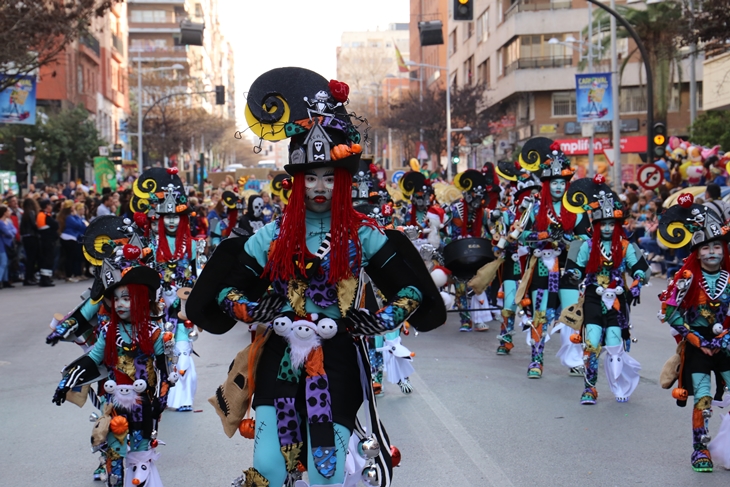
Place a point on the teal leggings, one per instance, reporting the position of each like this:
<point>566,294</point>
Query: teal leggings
<point>267,458</point>
<point>594,334</point>
<point>702,383</point>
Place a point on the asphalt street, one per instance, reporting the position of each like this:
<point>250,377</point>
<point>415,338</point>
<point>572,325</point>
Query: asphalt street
<point>474,418</point>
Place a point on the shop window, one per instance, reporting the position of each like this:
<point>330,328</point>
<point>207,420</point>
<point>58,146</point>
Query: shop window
<point>564,104</point>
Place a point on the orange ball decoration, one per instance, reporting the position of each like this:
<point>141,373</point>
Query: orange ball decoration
<point>525,302</point>
<point>247,428</point>
<point>686,274</point>
<point>119,425</point>
<point>680,394</point>
<point>395,456</point>
<point>575,338</point>
<point>167,336</point>
<point>500,295</point>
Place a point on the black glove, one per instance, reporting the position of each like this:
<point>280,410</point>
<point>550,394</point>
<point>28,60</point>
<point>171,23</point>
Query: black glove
<point>267,308</point>
<point>59,397</point>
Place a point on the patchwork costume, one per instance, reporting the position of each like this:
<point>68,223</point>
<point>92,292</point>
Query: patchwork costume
<point>300,277</point>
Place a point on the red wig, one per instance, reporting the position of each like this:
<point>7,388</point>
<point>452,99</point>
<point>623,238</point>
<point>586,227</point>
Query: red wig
<point>232,221</point>
<point>182,241</point>
<point>566,218</point>
<point>693,265</point>
<point>141,331</point>
<point>617,249</point>
<point>291,243</point>
<point>476,230</point>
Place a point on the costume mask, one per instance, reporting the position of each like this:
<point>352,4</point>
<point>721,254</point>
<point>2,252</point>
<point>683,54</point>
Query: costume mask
<point>421,201</point>
<point>122,303</point>
<point>607,229</point>
<point>171,223</point>
<point>711,256</point>
<point>258,207</point>
<point>557,189</point>
<point>319,184</point>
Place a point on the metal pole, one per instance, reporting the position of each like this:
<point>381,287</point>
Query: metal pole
<point>449,162</point>
<point>202,165</point>
<point>692,74</point>
<point>376,133</point>
<point>390,147</point>
<point>649,77</point>
<point>616,125</point>
<point>140,157</point>
<point>590,70</point>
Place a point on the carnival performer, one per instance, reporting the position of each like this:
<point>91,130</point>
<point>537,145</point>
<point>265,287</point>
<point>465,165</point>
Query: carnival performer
<point>130,346</point>
<point>512,255</point>
<point>222,229</point>
<point>419,191</point>
<point>601,264</point>
<point>549,233</point>
<point>695,305</point>
<point>253,220</point>
<point>177,258</point>
<point>469,219</point>
<point>310,363</point>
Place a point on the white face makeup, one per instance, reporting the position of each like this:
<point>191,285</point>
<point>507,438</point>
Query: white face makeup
<point>319,184</point>
<point>258,207</point>
<point>557,189</point>
<point>171,223</point>
<point>711,256</point>
<point>607,229</point>
<point>122,303</point>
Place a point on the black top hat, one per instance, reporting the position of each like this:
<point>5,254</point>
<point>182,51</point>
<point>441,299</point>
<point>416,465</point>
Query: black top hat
<point>544,157</point>
<point>114,276</point>
<point>300,104</point>
<point>689,223</point>
<point>594,196</point>
<point>159,191</point>
<point>414,182</point>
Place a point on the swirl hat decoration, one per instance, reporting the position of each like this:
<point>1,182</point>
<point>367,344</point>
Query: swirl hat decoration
<point>472,181</point>
<point>520,178</point>
<point>159,191</point>
<point>690,223</point>
<point>414,182</point>
<point>300,104</point>
<point>543,157</point>
<point>594,196</point>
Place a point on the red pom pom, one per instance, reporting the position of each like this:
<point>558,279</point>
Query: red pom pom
<point>427,182</point>
<point>381,184</point>
<point>373,168</point>
<point>140,219</point>
<point>555,146</point>
<point>131,252</point>
<point>339,90</point>
<point>685,200</point>
<point>394,455</point>
<point>172,170</point>
<point>286,184</point>
<point>599,179</point>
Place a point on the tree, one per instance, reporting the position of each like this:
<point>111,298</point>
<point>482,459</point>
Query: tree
<point>708,25</point>
<point>67,138</point>
<point>34,32</point>
<point>712,128</point>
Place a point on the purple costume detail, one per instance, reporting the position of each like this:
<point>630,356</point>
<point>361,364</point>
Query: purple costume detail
<point>318,399</point>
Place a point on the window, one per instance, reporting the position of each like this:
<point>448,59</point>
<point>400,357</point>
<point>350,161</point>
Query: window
<point>699,95</point>
<point>483,27</point>
<point>632,99</point>
<point>356,44</point>
<point>500,62</point>
<point>538,46</point>
<point>674,101</point>
<point>151,16</point>
<point>483,73</point>
<point>564,104</point>
<point>469,31</point>
<point>469,71</point>
<point>452,42</point>
<point>149,44</point>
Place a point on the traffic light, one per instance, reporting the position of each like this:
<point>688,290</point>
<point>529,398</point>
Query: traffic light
<point>455,157</point>
<point>463,9</point>
<point>659,136</point>
<point>220,95</point>
<point>23,157</point>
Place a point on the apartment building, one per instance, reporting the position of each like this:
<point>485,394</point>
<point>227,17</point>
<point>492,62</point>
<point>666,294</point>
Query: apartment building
<point>527,54</point>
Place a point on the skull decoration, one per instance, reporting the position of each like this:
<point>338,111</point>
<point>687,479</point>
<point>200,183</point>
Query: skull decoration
<point>258,207</point>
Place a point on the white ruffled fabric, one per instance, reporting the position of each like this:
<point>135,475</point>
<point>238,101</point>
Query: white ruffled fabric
<point>145,472</point>
<point>478,302</point>
<point>570,354</point>
<point>622,371</point>
<point>720,445</point>
<point>396,360</point>
<point>184,391</point>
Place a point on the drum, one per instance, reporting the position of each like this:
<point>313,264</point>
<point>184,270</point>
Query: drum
<point>464,257</point>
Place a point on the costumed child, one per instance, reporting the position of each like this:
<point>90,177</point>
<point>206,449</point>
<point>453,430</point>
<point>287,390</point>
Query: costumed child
<point>602,263</point>
<point>548,233</point>
<point>695,305</point>
<point>178,259</point>
<point>419,191</point>
<point>130,346</point>
<point>308,366</point>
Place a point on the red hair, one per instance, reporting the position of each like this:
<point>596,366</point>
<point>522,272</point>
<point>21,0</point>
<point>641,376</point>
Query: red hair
<point>291,244</point>
<point>232,221</point>
<point>182,240</point>
<point>566,218</point>
<point>692,264</point>
<point>139,296</point>
<point>595,260</point>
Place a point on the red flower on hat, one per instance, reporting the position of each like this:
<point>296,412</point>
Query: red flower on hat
<point>599,179</point>
<point>555,146</point>
<point>140,219</point>
<point>131,252</point>
<point>339,90</point>
<point>172,170</point>
<point>685,200</point>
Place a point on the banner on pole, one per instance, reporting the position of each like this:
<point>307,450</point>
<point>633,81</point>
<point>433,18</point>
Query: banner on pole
<point>593,101</point>
<point>104,174</point>
<point>18,102</point>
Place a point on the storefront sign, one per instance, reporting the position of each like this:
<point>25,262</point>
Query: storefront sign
<point>579,147</point>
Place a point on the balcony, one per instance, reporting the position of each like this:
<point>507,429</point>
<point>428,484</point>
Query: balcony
<point>160,54</point>
<point>157,2</point>
<point>118,44</point>
<point>154,28</point>
<point>538,63</point>
<point>535,6</point>
<point>89,45</point>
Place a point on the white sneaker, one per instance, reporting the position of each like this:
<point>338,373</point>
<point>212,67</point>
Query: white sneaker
<point>481,327</point>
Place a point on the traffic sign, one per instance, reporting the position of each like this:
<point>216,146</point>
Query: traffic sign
<point>650,176</point>
<point>422,152</point>
<point>396,176</point>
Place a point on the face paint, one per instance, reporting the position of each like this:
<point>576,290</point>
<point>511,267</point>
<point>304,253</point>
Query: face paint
<point>607,229</point>
<point>258,207</point>
<point>122,303</point>
<point>171,223</point>
<point>557,189</point>
<point>319,184</point>
<point>711,256</point>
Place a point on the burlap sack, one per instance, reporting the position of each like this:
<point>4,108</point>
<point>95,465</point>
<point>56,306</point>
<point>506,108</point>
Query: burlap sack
<point>232,398</point>
<point>670,370</point>
<point>78,397</point>
<point>101,428</point>
<point>573,315</point>
<point>526,278</point>
<point>484,276</point>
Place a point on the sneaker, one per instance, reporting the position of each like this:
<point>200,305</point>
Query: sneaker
<point>405,386</point>
<point>534,373</point>
<point>576,371</point>
<point>481,327</point>
<point>502,350</point>
<point>701,461</point>
<point>590,394</point>
<point>622,399</point>
<point>100,474</point>
<point>465,327</point>
<point>378,389</point>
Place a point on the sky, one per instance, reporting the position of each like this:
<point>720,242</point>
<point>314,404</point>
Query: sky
<point>268,34</point>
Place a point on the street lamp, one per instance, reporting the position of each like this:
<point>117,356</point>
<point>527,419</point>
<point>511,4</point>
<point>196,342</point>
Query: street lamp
<point>174,67</point>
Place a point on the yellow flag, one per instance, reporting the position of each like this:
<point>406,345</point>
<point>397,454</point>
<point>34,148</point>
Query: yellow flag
<point>399,58</point>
